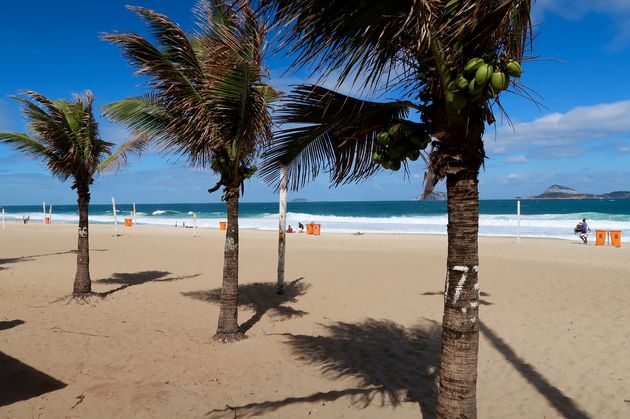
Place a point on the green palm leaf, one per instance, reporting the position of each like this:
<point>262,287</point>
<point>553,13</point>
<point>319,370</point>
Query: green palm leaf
<point>330,131</point>
<point>64,135</point>
<point>208,100</point>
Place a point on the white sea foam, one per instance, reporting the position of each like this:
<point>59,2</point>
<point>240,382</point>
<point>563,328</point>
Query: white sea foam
<point>545,225</point>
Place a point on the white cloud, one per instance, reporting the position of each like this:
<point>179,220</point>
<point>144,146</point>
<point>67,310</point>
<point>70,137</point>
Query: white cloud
<point>576,9</point>
<point>558,132</point>
<point>617,10</point>
<point>516,159</point>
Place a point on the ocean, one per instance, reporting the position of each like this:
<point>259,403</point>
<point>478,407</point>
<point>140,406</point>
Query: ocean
<point>539,218</point>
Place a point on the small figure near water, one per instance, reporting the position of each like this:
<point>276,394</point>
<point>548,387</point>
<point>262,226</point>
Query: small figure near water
<point>290,229</point>
<point>26,218</point>
<point>301,227</point>
<point>582,229</point>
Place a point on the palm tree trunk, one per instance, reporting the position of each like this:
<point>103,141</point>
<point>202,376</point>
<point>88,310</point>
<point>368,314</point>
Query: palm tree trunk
<point>282,233</point>
<point>460,325</point>
<point>82,282</point>
<point>228,329</point>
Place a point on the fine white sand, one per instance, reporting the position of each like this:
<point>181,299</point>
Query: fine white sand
<point>356,336</point>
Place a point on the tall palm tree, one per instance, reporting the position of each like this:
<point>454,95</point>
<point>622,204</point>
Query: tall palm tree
<point>64,135</point>
<point>208,103</point>
<point>439,57</point>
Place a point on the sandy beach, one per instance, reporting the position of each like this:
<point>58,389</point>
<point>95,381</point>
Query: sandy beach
<point>355,336</point>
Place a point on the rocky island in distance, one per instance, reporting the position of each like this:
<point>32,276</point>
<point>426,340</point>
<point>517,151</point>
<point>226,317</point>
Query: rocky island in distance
<point>562,192</point>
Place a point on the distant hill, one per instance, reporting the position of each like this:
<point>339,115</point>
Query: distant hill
<point>563,192</point>
<point>433,196</point>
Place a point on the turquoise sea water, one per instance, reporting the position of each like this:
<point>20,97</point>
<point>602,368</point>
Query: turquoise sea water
<point>539,218</point>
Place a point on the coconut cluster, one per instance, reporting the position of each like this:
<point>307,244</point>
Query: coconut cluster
<point>400,141</point>
<point>480,81</point>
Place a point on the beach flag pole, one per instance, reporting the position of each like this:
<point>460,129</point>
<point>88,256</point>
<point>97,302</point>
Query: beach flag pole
<point>50,213</point>
<point>195,224</point>
<point>282,228</point>
<point>518,222</point>
<point>133,213</point>
<point>2,219</point>
<point>115,218</point>
<point>44,211</point>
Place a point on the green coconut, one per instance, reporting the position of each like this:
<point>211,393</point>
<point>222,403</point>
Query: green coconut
<point>415,139</point>
<point>474,88</point>
<point>483,74</point>
<point>514,69</point>
<point>451,86</point>
<point>461,82</point>
<point>413,155</point>
<point>376,157</point>
<point>395,153</point>
<point>472,65</point>
<point>383,138</point>
<point>391,164</point>
<point>499,81</point>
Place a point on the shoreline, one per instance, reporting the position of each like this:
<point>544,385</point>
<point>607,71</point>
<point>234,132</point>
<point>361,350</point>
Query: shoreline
<point>164,227</point>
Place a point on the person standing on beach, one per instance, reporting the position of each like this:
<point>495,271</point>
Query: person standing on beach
<point>582,230</point>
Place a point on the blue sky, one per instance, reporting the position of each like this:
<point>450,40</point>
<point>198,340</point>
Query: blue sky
<point>580,138</point>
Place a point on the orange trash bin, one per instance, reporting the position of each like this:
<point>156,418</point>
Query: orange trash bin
<point>222,225</point>
<point>128,222</point>
<point>47,220</point>
<point>600,237</point>
<point>615,238</point>
<point>316,229</point>
<point>309,229</point>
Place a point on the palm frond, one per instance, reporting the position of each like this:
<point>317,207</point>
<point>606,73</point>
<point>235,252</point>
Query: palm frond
<point>64,135</point>
<point>171,65</point>
<point>174,42</point>
<point>23,143</point>
<point>328,131</point>
<point>215,110</point>
<point>367,38</point>
<point>119,159</point>
<point>144,116</point>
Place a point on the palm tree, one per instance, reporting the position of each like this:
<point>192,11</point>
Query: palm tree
<point>208,103</point>
<point>64,135</point>
<point>439,57</point>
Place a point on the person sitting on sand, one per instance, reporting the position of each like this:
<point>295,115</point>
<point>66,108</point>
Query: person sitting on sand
<point>582,229</point>
<point>290,229</point>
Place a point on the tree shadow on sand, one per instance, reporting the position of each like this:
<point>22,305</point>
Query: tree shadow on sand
<point>126,280</point>
<point>19,381</point>
<point>560,401</point>
<point>262,299</point>
<point>30,258</point>
<point>392,364</point>
<point>563,404</point>
<point>10,324</point>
